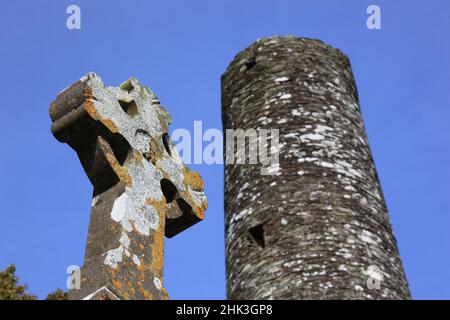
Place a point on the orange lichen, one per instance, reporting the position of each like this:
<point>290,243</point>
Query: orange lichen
<point>90,109</point>
<point>93,113</point>
<point>147,295</point>
<point>204,205</point>
<point>138,156</point>
<point>110,125</point>
<point>165,295</point>
<point>158,237</point>
<point>199,211</point>
<point>157,263</point>
<point>116,284</point>
<point>121,172</point>
<point>160,206</point>
<point>193,179</point>
<point>155,151</point>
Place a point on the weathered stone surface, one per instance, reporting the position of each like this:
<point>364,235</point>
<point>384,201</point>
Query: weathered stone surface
<point>318,228</point>
<point>142,190</point>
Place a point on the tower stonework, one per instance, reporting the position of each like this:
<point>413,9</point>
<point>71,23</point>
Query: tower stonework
<point>317,227</point>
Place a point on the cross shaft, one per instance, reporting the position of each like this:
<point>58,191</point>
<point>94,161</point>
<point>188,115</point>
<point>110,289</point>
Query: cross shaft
<point>142,189</point>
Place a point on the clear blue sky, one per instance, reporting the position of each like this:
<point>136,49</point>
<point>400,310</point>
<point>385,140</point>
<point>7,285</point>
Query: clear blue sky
<point>180,49</point>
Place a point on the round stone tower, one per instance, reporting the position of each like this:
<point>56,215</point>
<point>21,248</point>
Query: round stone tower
<point>316,226</point>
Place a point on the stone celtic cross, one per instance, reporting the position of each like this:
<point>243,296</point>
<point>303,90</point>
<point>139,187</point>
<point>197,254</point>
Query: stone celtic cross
<point>142,189</point>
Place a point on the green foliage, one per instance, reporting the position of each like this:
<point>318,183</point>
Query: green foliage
<point>9,287</point>
<point>58,294</point>
<point>11,290</point>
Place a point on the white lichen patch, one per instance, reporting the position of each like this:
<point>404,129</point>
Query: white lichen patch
<point>136,260</point>
<point>143,219</point>
<point>242,214</point>
<point>344,252</point>
<point>291,135</point>
<point>342,267</point>
<point>326,164</point>
<point>157,282</point>
<point>114,256</point>
<point>322,129</point>
<point>311,136</point>
<point>119,208</point>
<point>273,169</point>
<point>281,79</point>
<point>94,201</point>
<point>358,288</point>
<point>369,238</point>
<point>374,273</point>
<point>285,96</point>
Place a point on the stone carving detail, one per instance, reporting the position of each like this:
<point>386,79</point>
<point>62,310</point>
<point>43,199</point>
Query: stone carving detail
<point>142,190</point>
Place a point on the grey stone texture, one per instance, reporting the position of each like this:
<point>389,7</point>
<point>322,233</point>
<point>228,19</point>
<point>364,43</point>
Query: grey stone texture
<point>142,189</point>
<point>318,228</point>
